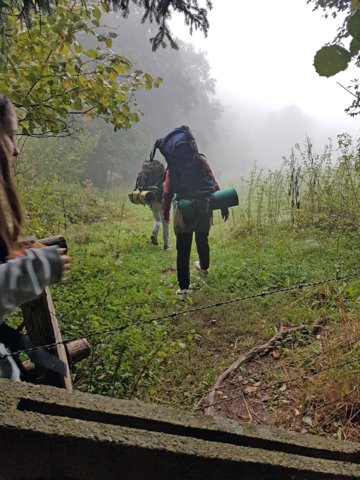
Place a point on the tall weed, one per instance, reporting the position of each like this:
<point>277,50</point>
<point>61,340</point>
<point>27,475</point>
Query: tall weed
<point>310,190</point>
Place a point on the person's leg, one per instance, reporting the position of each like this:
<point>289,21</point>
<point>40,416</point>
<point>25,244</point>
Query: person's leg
<point>166,231</point>
<point>156,210</point>
<point>202,245</point>
<point>183,248</point>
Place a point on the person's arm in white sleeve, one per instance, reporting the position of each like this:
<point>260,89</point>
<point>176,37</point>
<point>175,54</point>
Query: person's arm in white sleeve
<point>24,278</point>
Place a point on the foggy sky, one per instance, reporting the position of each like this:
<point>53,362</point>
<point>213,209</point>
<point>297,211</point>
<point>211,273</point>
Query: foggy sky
<point>261,54</point>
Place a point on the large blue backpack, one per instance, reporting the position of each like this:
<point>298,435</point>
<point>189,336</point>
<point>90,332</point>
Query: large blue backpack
<point>188,175</point>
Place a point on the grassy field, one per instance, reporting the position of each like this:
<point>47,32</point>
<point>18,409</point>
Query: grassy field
<point>294,226</point>
<point>120,280</point>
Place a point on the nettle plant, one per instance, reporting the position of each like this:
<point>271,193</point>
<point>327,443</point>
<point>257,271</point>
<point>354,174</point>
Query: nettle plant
<point>53,79</point>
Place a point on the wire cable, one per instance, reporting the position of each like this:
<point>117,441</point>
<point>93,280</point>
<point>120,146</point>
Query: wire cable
<point>192,310</point>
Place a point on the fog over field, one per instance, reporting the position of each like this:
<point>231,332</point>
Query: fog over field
<point>249,92</point>
<point>262,59</point>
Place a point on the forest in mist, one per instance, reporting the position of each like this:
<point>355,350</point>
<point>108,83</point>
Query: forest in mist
<point>235,134</point>
<point>107,157</point>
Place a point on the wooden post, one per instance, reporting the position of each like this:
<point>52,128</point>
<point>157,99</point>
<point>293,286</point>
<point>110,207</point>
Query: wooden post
<point>42,328</point>
<point>77,349</point>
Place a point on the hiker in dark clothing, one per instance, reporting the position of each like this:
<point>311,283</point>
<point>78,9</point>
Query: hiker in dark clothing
<point>196,182</point>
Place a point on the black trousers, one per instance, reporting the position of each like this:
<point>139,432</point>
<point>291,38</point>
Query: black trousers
<point>183,248</point>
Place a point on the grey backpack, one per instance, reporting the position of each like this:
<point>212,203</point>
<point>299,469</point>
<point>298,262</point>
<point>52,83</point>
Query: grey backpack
<point>151,177</point>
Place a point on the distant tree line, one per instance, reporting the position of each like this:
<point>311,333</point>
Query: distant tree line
<point>186,95</point>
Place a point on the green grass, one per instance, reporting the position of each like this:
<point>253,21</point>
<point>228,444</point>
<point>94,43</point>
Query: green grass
<point>119,279</point>
<point>293,226</point>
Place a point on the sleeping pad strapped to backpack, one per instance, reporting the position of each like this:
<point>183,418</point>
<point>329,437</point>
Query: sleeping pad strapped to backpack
<point>149,183</point>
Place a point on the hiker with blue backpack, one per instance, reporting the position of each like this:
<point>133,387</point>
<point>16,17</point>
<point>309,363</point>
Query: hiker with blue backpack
<point>189,185</point>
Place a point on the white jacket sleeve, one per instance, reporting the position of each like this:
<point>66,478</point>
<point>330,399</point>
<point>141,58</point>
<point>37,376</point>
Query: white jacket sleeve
<point>24,278</point>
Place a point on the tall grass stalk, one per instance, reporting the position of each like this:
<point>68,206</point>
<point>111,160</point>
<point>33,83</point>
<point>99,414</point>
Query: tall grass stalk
<point>309,190</point>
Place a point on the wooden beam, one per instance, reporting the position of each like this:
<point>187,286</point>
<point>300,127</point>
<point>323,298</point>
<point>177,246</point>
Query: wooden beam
<point>76,350</point>
<point>55,240</point>
<point>27,242</point>
<point>42,328</point>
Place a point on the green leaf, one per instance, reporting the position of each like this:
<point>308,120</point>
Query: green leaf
<point>70,68</point>
<point>92,53</point>
<point>64,47</point>
<point>96,14</point>
<point>55,66</point>
<point>354,25</point>
<point>331,60</point>
<point>78,48</point>
<point>354,47</point>
<point>148,81</point>
<point>158,81</point>
<point>353,290</point>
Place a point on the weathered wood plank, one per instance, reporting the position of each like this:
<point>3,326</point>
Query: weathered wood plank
<point>47,242</point>
<point>42,327</point>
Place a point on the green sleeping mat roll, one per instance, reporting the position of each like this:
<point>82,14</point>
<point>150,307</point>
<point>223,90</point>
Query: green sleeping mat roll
<point>221,199</point>
<point>224,199</point>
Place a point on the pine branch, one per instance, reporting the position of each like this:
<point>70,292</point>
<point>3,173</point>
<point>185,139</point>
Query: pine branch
<point>157,11</point>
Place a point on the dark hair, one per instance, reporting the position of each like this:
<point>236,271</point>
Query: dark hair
<point>10,209</point>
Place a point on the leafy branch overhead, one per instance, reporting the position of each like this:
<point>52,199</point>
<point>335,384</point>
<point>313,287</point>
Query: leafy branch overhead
<point>52,78</point>
<point>158,11</point>
<point>334,58</point>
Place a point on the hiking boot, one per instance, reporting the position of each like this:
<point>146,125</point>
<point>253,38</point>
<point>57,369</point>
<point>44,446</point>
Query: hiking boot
<point>182,293</point>
<point>166,247</point>
<point>198,267</point>
<point>153,239</point>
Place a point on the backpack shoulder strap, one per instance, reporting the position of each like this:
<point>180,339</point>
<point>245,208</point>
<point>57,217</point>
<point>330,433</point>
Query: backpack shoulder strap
<point>153,151</point>
<point>138,177</point>
<point>137,181</point>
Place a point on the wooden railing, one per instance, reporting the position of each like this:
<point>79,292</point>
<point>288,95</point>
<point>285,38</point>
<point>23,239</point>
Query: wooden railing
<point>41,325</point>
